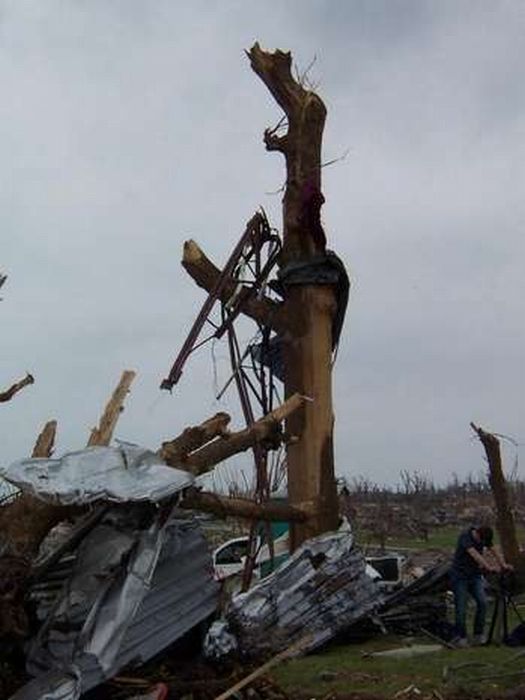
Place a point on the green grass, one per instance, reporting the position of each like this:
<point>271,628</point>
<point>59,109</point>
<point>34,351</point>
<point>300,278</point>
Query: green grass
<point>347,669</point>
<point>439,538</point>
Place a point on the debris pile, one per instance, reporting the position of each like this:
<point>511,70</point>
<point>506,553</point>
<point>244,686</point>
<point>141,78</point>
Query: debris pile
<point>319,591</point>
<point>124,583</point>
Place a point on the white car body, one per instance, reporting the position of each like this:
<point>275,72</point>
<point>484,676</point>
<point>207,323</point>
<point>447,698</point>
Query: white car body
<point>229,559</point>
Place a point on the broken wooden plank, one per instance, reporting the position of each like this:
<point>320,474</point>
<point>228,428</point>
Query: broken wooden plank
<point>277,659</point>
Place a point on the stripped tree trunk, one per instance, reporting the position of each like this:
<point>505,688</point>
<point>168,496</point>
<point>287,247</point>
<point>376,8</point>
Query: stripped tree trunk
<point>311,307</point>
<point>504,515</point>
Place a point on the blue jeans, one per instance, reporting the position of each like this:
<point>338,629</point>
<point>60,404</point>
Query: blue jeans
<point>462,587</point>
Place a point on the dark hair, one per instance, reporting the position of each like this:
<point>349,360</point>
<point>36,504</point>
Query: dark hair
<point>486,535</point>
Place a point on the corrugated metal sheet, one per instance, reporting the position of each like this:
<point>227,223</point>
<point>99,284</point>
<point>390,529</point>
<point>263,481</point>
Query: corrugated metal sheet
<point>318,592</point>
<point>122,474</point>
<point>129,594</point>
<point>55,685</point>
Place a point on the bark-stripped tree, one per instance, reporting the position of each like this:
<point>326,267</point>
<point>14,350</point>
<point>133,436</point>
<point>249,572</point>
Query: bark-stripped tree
<point>307,354</point>
<point>305,319</point>
<point>505,524</point>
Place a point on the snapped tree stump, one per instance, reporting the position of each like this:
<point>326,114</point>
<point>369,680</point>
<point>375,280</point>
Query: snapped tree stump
<point>504,516</point>
<point>311,307</point>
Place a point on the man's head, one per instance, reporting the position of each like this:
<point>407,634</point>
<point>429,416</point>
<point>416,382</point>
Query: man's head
<point>486,535</point>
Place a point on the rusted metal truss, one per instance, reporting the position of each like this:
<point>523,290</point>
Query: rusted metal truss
<point>249,267</point>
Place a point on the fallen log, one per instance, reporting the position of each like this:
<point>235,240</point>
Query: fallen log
<point>224,506</point>
<point>8,394</point>
<point>266,430</point>
<point>175,452</point>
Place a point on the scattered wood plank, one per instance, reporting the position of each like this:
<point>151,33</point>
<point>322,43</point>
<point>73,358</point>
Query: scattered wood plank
<point>277,659</point>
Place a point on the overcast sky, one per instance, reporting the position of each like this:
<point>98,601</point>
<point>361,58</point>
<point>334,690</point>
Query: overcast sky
<point>129,126</point>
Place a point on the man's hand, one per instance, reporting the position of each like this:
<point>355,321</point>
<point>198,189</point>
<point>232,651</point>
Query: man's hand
<point>492,568</point>
<point>507,567</point>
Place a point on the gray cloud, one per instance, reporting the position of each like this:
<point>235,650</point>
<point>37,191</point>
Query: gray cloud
<point>129,126</point>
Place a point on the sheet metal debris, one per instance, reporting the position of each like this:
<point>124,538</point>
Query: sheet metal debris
<point>122,474</point>
<point>320,590</point>
<point>55,685</point>
<point>129,594</point>
<point>124,583</point>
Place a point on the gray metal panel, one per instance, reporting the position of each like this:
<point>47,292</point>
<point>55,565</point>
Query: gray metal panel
<point>318,591</point>
<point>121,474</point>
<point>128,596</point>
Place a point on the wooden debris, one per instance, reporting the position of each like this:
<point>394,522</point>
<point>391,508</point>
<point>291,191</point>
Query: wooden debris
<point>46,440</point>
<point>8,394</point>
<point>292,650</point>
<point>103,434</point>
<point>224,506</point>
<point>174,452</point>
<point>267,429</point>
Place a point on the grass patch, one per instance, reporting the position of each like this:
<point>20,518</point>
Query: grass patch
<point>439,538</point>
<point>350,669</point>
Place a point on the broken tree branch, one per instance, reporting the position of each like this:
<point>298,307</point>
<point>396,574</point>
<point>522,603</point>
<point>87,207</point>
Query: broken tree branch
<point>16,387</point>
<point>504,516</point>
<point>268,429</point>
<point>223,506</point>
<point>46,440</point>
<point>206,275</point>
<point>103,434</point>
<point>174,452</point>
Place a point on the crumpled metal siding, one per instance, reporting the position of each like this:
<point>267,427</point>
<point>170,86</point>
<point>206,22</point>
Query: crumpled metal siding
<point>128,597</point>
<point>317,593</point>
<point>122,474</point>
<point>55,685</point>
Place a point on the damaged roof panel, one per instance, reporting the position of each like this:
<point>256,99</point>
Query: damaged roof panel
<point>126,602</point>
<point>122,474</point>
